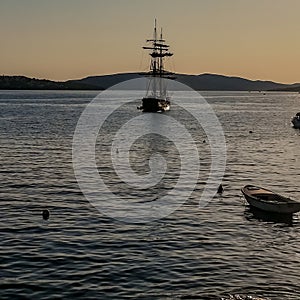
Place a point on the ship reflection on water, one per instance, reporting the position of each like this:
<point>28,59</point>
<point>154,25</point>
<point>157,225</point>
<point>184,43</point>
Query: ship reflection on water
<point>252,213</point>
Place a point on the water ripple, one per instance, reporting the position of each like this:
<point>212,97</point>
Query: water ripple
<point>193,253</point>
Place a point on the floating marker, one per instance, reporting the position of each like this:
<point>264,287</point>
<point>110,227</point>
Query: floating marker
<point>46,214</point>
<point>220,189</point>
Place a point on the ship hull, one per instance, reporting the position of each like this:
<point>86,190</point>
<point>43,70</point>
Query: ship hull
<point>154,105</point>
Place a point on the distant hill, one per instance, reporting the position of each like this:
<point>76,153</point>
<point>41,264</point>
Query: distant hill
<point>25,83</point>
<point>291,88</point>
<point>106,81</point>
<point>208,82</point>
<point>226,83</point>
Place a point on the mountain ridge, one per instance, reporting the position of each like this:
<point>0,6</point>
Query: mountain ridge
<point>20,82</point>
<point>205,81</point>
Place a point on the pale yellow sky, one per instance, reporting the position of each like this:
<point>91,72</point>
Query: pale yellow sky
<point>69,39</point>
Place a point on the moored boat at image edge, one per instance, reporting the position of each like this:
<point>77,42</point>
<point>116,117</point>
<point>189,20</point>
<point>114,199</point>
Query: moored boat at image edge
<point>269,201</point>
<point>296,121</point>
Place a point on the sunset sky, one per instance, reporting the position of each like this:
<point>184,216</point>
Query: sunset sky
<point>71,39</point>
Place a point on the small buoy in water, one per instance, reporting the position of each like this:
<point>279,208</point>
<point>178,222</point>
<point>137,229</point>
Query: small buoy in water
<point>250,131</point>
<point>204,141</point>
<point>46,214</point>
<point>220,189</point>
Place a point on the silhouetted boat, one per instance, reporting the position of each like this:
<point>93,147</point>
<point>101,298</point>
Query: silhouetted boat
<point>296,121</point>
<point>156,99</point>
<point>269,201</point>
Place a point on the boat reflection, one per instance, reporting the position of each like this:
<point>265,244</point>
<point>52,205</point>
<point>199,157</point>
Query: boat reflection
<point>241,297</point>
<point>252,213</point>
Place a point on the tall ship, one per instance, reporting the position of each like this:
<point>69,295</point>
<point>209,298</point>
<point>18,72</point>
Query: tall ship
<point>156,98</point>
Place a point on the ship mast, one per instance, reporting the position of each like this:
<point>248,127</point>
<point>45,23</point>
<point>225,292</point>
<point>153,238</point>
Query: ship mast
<point>158,51</point>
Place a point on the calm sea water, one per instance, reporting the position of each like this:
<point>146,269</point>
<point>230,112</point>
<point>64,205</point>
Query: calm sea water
<point>192,253</point>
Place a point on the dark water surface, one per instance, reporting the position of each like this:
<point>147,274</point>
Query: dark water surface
<point>81,253</point>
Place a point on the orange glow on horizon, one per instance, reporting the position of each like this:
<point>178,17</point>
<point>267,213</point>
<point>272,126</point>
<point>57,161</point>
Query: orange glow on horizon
<point>254,39</point>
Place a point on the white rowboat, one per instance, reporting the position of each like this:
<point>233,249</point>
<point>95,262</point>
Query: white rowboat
<point>269,201</point>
